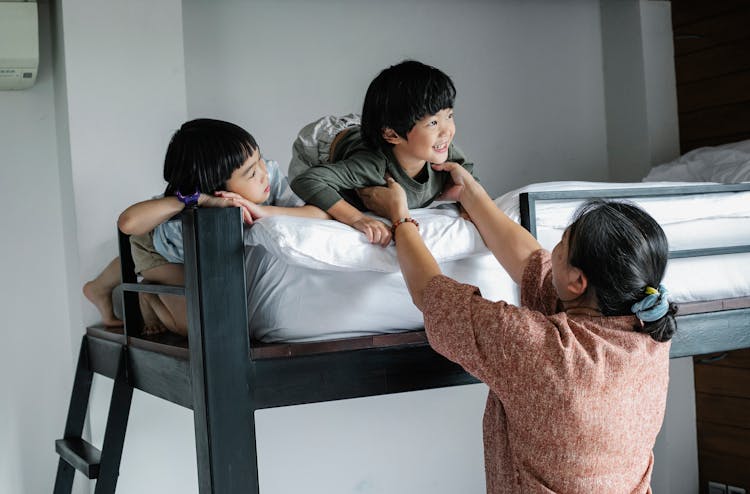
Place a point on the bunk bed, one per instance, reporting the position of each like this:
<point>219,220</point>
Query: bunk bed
<point>223,374</point>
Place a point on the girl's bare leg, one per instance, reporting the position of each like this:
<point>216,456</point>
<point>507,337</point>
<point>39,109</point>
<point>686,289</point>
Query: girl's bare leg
<point>152,323</point>
<point>99,292</point>
<point>170,309</point>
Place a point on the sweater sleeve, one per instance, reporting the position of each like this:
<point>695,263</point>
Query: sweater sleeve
<point>322,185</point>
<point>537,290</point>
<point>488,339</point>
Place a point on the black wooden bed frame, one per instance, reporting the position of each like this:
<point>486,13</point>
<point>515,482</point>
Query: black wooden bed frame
<point>224,376</point>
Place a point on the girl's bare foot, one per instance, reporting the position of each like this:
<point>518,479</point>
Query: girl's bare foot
<point>151,323</point>
<point>101,297</point>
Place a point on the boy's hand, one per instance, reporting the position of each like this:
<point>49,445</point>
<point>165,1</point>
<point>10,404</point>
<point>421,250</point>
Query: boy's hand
<point>376,231</point>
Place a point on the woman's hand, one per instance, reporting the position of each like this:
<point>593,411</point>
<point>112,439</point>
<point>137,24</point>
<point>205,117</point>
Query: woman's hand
<point>417,264</point>
<point>388,202</point>
<point>460,177</point>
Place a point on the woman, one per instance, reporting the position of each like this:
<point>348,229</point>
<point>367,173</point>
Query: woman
<point>578,374</point>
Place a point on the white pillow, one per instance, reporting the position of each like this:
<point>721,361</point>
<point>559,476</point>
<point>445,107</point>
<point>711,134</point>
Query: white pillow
<point>327,244</point>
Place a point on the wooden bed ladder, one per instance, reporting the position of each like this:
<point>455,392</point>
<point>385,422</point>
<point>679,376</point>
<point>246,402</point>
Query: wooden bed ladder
<point>78,454</point>
<point>75,452</point>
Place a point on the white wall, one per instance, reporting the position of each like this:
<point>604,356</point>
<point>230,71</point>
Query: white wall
<point>531,107</point>
<point>530,103</point>
<point>36,354</point>
<point>125,96</point>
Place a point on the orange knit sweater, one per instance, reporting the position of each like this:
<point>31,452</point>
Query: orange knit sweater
<point>575,402</point>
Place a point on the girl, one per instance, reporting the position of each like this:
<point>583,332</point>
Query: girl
<point>578,374</point>
<point>209,163</point>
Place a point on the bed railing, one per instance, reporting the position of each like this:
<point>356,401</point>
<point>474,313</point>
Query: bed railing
<point>703,327</point>
<point>224,376</point>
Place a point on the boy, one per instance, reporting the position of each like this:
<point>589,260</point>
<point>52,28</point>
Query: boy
<point>406,125</point>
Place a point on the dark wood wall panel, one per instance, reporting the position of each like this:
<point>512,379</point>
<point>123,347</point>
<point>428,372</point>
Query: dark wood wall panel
<point>725,90</point>
<point>725,410</point>
<point>739,359</point>
<point>689,11</point>
<point>725,381</point>
<point>712,72</point>
<point>724,439</point>
<point>722,410</point>
<point>713,62</point>
<point>706,33</point>
<point>730,470</point>
<point>712,69</point>
<point>712,141</point>
<point>714,123</point>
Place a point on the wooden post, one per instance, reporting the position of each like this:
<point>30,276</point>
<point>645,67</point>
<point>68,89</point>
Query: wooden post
<point>221,369</point>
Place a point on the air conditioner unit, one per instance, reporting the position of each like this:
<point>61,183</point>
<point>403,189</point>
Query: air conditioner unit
<point>19,44</point>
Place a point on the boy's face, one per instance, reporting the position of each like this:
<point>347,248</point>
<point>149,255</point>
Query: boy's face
<point>251,179</point>
<point>428,140</point>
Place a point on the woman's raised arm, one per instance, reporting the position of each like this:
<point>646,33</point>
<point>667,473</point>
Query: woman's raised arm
<point>511,243</point>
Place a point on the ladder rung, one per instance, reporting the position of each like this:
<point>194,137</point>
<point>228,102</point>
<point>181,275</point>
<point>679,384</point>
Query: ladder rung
<point>154,288</point>
<point>80,454</point>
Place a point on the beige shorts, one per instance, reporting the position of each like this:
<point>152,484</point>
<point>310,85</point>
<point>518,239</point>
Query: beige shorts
<point>144,254</point>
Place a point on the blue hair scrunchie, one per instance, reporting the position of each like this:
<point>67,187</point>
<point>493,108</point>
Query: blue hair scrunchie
<point>654,305</point>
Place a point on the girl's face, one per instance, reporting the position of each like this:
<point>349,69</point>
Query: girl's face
<point>251,179</point>
<point>427,141</point>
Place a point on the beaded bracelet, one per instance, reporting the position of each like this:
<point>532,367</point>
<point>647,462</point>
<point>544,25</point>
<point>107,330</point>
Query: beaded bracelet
<point>400,222</point>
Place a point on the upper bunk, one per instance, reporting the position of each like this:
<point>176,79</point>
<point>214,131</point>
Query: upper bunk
<point>220,341</point>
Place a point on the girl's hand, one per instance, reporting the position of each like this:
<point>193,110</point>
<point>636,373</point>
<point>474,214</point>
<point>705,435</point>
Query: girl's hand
<point>207,201</point>
<point>250,210</point>
<point>388,202</point>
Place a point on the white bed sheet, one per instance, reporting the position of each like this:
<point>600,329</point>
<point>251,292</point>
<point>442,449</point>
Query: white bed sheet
<point>307,283</point>
<point>728,164</point>
<point>287,302</point>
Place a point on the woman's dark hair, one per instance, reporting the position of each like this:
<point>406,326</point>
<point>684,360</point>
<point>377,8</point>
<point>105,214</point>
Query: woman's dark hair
<point>203,154</point>
<point>622,250</point>
<point>401,95</point>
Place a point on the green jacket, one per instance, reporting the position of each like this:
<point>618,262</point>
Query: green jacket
<point>356,166</point>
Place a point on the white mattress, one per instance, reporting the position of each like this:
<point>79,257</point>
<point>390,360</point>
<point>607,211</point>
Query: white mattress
<point>314,280</point>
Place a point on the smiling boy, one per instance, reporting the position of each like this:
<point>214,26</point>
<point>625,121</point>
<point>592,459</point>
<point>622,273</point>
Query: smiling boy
<point>407,124</point>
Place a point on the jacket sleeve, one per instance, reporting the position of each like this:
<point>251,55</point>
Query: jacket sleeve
<point>322,185</point>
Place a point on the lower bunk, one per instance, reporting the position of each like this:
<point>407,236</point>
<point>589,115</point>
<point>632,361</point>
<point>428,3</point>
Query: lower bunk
<point>224,375</point>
